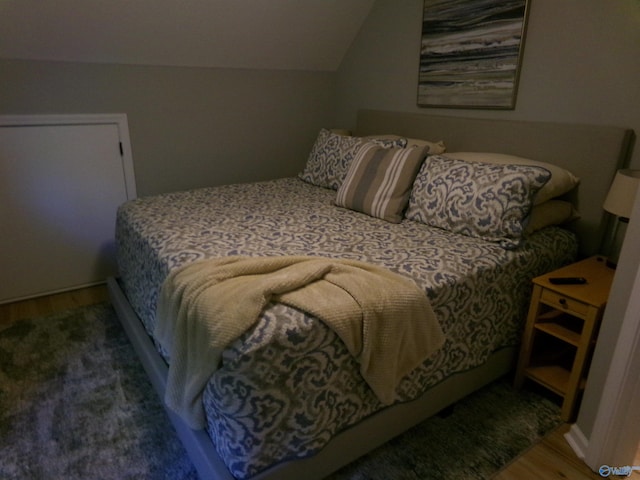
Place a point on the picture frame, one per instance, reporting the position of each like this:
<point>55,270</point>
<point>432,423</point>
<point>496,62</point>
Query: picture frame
<point>471,53</point>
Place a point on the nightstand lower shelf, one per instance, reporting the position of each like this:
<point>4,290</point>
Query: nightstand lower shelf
<point>553,377</point>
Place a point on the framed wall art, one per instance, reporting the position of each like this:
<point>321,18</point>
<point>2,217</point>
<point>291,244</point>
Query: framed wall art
<point>471,52</point>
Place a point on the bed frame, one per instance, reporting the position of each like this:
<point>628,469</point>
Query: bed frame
<point>593,153</point>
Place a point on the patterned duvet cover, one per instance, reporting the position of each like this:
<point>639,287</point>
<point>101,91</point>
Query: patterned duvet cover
<point>289,384</point>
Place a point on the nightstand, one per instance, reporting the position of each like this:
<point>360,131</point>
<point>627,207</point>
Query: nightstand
<point>561,330</point>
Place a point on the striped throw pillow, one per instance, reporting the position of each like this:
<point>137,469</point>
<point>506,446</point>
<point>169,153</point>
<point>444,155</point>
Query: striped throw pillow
<point>379,180</point>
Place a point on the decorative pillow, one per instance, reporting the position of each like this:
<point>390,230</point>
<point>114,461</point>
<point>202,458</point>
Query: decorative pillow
<point>331,156</point>
<point>435,148</point>
<point>561,182</point>
<point>379,180</point>
<point>480,200</point>
<point>551,212</point>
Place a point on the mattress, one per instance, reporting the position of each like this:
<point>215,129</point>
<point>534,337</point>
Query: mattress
<point>288,385</point>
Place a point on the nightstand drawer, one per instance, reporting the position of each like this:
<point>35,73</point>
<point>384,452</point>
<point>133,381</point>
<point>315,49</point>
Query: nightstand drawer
<point>564,303</point>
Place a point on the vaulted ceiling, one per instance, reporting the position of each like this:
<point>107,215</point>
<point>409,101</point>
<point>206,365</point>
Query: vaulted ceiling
<point>261,34</point>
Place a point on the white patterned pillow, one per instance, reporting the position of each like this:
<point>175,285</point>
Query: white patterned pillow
<point>477,199</point>
<point>331,156</point>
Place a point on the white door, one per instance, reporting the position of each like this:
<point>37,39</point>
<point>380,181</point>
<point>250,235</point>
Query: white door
<point>60,187</point>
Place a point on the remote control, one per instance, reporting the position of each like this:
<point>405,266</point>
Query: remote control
<point>568,280</point>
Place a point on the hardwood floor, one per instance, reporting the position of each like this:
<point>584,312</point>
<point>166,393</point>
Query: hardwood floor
<point>550,459</point>
<point>46,305</point>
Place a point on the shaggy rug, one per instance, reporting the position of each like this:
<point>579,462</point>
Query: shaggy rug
<point>75,403</point>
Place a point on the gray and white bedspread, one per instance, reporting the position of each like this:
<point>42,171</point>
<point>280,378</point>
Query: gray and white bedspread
<point>289,384</point>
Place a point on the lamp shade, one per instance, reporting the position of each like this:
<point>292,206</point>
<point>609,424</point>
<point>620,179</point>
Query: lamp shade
<point>622,193</point>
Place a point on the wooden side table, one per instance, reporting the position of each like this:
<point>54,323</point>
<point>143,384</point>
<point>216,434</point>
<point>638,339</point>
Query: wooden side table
<point>561,330</point>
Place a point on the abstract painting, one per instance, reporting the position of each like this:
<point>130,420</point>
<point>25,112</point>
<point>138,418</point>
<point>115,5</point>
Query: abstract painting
<point>471,52</point>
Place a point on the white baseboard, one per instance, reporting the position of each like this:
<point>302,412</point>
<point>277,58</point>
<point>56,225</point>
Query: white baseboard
<point>577,441</point>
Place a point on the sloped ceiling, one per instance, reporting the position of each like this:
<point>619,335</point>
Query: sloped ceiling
<point>260,34</point>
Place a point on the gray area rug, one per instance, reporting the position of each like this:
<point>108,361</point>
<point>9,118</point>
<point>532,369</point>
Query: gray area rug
<point>75,403</point>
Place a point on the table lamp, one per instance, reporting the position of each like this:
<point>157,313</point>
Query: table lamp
<point>619,202</point>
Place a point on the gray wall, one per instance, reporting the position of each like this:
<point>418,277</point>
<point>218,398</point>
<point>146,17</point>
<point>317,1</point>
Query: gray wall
<point>189,127</point>
<point>205,126</point>
<point>581,64</point>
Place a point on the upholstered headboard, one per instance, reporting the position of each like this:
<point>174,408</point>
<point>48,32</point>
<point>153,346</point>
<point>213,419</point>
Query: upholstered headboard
<point>591,152</point>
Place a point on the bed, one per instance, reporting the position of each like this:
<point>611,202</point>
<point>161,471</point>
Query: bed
<point>288,399</point>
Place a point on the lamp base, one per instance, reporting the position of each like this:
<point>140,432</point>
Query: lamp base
<point>613,244</point>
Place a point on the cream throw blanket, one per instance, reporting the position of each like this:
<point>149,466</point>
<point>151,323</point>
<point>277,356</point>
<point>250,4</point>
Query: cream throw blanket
<point>383,318</point>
